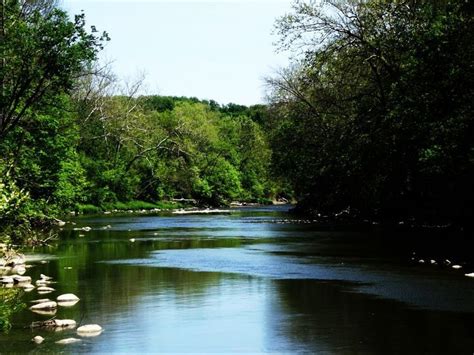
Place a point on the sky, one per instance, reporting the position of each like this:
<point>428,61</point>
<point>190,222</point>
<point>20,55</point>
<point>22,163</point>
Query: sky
<point>218,49</point>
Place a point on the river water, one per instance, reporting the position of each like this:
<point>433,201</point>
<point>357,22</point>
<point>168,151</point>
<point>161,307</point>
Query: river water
<point>255,280</point>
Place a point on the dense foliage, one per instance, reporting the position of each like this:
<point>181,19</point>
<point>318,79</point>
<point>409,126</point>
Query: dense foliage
<point>154,148</point>
<point>376,113</point>
<point>71,139</point>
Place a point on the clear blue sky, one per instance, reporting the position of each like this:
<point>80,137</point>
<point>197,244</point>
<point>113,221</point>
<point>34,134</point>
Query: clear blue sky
<point>217,50</point>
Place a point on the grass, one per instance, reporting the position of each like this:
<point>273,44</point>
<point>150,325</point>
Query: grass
<point>133,205</point>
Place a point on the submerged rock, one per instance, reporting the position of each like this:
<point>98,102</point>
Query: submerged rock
<point>206,211</point>
<point>68,341</point>
<point>43,282</point>
<point>45,312</point>
<point>41,300</point>
<point>38,339</point>
<point>55,323</point>
<point>60,223</point>
<point>67,303</point>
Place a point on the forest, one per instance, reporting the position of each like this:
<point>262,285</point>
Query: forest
<point>373,117</point>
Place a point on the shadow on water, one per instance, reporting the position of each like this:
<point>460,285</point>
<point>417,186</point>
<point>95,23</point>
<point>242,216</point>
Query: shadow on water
<point>329,317</point>
<point>256,280</point>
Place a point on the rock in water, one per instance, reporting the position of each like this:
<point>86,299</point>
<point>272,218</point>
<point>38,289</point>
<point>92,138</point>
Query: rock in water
<point>45,305</point>
<point>45,289</point>
<point>70,323</point>
<point>469,275</point>
<point>44,277</point>
<point>45,312</point>
<point>68,341</point>
<point>21,279</point>
<point>456,266</point>
<point>28,287</point>
<point>55,323</point>
<point>60,223</point>
<point>67,297</point>
<point>89,330</point>
<point>38,339</point>
<point>42,300</point>
<point>7,280</point>
<point>67,303</point>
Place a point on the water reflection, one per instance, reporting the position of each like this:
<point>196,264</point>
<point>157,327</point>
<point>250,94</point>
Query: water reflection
<point>243,282</point>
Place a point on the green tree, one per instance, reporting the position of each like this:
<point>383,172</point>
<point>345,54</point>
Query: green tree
<point>374,114</point>
<point>42,54</point>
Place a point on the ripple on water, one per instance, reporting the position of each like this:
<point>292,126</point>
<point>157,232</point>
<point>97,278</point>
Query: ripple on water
<point>430,291</point>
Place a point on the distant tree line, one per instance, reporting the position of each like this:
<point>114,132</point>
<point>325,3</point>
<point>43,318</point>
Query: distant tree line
<point>375,114</point>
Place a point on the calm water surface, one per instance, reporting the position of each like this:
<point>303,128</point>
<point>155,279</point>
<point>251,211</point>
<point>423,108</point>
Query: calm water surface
<point>257,280</point>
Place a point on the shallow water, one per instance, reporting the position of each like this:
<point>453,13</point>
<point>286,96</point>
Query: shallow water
<point>256,280</point>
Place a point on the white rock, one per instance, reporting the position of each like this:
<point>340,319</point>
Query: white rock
<point>45,289</point>
<point>21,279</point>
<point>45,305</point>
<point>44,277</point>
<point>38,339</point>
<point>68,341</point>
<point>42,282</point>
<point>469,275</point>
<point>27,287</point>
<point>45,312</point>
<point>19,269</point>
<point>86,229</point>
<point>7,280</point>
<point>67,297</point>
<point>421,261</point>
<point>456,267</point>
<point>92,329</point>
<point>132,240</point>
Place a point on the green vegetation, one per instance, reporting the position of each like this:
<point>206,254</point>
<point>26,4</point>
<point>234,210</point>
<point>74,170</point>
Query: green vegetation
<point>376,114</point>
<point>159,148</point>
<point>10,303</point>
<point>71,141</point>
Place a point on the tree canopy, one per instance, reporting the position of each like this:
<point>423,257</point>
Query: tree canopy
<point>375,113</point>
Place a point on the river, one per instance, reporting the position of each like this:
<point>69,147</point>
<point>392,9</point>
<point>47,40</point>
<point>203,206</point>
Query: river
<point>255,280</point>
